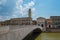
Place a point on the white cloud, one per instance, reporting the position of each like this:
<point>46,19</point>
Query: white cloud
<point>21,10</point>
<point>31,3</point>
<point>1,17</point>
<point>19,1</point>
<point>33,9</point>
<point>14,16</point>
<point>33,15</point>
<point>3,2</point>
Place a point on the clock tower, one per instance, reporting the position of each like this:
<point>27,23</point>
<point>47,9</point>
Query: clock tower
<point>29,13</point>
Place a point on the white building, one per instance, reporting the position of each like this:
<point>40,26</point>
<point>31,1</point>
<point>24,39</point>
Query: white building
<point>41,22</point>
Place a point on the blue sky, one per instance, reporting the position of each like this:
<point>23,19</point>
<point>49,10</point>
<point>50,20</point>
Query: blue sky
<point>19,8</point>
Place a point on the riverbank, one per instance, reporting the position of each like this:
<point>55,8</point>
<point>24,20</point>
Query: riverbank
<point>50,32</point>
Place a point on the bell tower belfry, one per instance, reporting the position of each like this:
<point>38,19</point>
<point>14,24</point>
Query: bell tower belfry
<point>29,13</point>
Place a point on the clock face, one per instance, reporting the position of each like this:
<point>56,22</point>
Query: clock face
<point>3,2</point>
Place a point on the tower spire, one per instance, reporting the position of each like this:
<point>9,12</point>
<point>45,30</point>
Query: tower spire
<point>29,13</point>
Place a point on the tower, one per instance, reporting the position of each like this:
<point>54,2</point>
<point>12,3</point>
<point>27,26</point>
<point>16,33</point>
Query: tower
<point>29,13</point>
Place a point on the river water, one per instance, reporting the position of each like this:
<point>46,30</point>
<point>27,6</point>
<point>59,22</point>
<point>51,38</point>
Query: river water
<point>48,36</point>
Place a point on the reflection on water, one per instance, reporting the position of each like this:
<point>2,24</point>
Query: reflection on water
<point>48,36</point>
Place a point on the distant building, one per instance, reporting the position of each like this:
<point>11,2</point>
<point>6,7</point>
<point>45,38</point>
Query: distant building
<point>19,21</point>
<point>55,21</point>
<point>34,22</point>
<point>3,23</point>
<point>49,23</point>
<point>41,22</point>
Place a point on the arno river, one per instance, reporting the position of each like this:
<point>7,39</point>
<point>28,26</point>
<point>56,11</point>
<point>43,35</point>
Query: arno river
<point>48,36</point>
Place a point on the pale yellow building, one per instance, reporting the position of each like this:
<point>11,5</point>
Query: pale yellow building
<point>21,21</point>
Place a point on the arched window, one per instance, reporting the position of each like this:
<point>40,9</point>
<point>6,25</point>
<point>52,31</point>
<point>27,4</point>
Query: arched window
<point>59,27</point>
<point>49,26</point>
<point>42,25</point>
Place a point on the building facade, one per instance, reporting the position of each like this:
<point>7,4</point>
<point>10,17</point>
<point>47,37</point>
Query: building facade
<point>55,21</point>
<point>41,22</point>
<point>49,23</point>
<point>34,22</point>
<point>21,21</point>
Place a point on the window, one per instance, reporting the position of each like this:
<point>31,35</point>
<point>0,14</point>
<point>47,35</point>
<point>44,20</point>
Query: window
<point>42,25</point>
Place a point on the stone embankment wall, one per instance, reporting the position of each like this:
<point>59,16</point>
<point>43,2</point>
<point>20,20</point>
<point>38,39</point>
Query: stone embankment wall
<point>53,30</point>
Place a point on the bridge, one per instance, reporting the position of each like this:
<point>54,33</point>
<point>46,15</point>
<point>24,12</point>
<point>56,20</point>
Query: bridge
<point>17,32</point>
